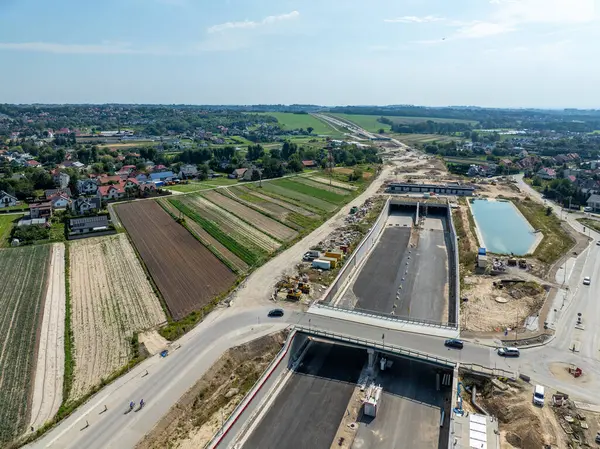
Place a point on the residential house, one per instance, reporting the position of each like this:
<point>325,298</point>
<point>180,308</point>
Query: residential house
<point>7,200</point>
<point>238,173</point>
<point>546,173</point>
<point>476,170</point>
<point>251,173</point>
<point>309,164</point>
<point>59,201</point>
<point>188,171</point>
<point>60,178</point>
<point>111,192</point>
<point>32,163</point>
<point>131,186</point>
<point>86,225</point>
<point>141,177</point>
<point>82,205</point>
<point>40,210</point>
<point>105,180</point>
<point>147,189</point>
<point>51,192</point>
<point>594,202</point>
<point>571,178</point>
<point>162,176</point>
<point>87,186</point>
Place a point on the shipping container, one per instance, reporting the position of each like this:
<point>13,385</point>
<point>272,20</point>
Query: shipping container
<point>322,264</point>
<point>333,262</point>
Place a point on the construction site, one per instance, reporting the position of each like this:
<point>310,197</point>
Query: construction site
<point>336,395</point>
<point>413,253</point>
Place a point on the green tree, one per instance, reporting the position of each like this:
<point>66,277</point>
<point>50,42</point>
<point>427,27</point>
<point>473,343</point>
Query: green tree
<point>310,129</point>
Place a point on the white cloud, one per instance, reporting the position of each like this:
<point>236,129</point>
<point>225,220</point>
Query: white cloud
<point>248,24</point>
<point>546,11</point>
<point>105,48</point>
<point>415,19</point>
<point>476,30</point>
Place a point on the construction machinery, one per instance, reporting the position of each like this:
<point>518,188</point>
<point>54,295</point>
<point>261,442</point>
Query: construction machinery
<point>575,371</point>
<point>294,294</point>
<point>304,287</point>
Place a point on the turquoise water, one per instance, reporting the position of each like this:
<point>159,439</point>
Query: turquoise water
<point>503,228</point>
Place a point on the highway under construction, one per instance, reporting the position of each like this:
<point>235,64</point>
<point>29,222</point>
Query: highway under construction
<point>409,272</point>
<point>338,395</point>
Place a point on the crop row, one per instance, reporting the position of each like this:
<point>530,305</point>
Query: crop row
<point>321,186</point>
<point>24,272</point>
<point>307,202</point>
<point>313,192</point>
<point>250,256</point>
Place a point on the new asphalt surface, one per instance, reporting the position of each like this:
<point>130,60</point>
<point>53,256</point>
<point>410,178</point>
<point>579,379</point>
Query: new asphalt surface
<point>309,409</point>
<point>408,282</point>
<point>409,410</point>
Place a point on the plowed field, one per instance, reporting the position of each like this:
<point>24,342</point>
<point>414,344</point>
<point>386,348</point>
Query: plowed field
<point>111,299</point>
<point>256,219</point>
<point>22,289</point>
<point>187,274</point>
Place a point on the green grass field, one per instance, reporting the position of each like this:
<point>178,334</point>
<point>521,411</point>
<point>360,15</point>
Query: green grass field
<point>370,123</point>
<point>314,192</point>
<point>416,139</point>
<point>6,224</point>
<point>196,186</point>
<point>296,121</point>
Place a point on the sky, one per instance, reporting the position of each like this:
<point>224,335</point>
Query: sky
<point>493,53</point>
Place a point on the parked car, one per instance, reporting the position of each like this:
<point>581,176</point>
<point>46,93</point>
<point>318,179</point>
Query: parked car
<point>538,395</point>
<point>587,209</point>
<point>275,313</point>
<point>454,343</point>
<point>509,351</point>
<point>598,243</point>
<point>587,280</point>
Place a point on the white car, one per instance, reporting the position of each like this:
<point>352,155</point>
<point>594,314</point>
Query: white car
<point>587,280</point>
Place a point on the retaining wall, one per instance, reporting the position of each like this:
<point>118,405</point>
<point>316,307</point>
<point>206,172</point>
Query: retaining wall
<point>454,279</point>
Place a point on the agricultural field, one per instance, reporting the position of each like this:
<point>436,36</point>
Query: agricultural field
<point>322,186</point>
<point>249,244</point>
<point>294,196</point>
<point>370,123</point>
<point>6,225</point>
<point>50,366</point>
<point>296,121</point>
<point>423,139</point>
<point>254,218</point>
<point>187,274</point>
<point>333,182</point>
<point>111,299</point>
<point>22,289</point>
<point>196,186</point>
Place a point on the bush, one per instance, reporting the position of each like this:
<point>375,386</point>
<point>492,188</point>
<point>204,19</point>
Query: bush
<point>30,234</point>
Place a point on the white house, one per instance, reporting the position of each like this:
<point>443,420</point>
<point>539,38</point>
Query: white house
<point>594,202</point>
<point>546,173</point>
<point>7,200</point>
<point>82,205</point>
<point>111,192</point>
<point>87,186</point>
<point>59,201</point>
<point>61,179</point>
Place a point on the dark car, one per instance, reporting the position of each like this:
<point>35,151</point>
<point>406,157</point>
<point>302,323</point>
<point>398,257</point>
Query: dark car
<point>454,343</point>
<point>275,313</point>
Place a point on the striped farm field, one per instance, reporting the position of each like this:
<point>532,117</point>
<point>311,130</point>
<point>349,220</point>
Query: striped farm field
<point>187,274</point>
<point>295,197</point>
<point>333,182</point>
<point>22,289</point>
<point>252,217</point>
<point>216,247</point>
<point>317,185</point>
<point>315,192</point>
<point>255,196</point>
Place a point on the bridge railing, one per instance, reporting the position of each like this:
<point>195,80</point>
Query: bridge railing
<point>492,372</point>
<point>375,344</point>
<point>388,317</point>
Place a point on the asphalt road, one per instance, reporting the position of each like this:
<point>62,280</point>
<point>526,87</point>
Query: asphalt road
<point>409,410</point>
<point>378,281</point>
<point>169,378</point>
<point>308,411</point>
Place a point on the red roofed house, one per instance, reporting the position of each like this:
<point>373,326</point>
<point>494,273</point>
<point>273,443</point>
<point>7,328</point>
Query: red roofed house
<point>147,189</point>
<point>309,164</point>
<point>106,180</point>
<point>111,192</point>
<point>40,210</point>
<point>546,173</point>
<point>32,163</point>
<point>572,178</point>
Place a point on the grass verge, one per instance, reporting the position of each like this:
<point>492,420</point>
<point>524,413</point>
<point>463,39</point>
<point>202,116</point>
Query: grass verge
<point>592,224</point>
<point>556,241</point>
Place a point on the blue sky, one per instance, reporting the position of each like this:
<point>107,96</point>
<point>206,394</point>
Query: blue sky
<point>501,53</point>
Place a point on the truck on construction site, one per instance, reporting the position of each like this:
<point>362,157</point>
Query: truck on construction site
<point>322,264</point>
<point>311,255</point>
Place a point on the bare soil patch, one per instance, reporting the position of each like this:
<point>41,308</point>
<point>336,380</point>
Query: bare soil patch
<point>50,366</point>
<point>494,308</point>
<point>187,274</point>
<point>111,299</point>
<point>197,416</point>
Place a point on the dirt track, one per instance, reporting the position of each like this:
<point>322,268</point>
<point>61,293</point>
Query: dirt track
<point>111,299</point>
<point>50,367</point>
